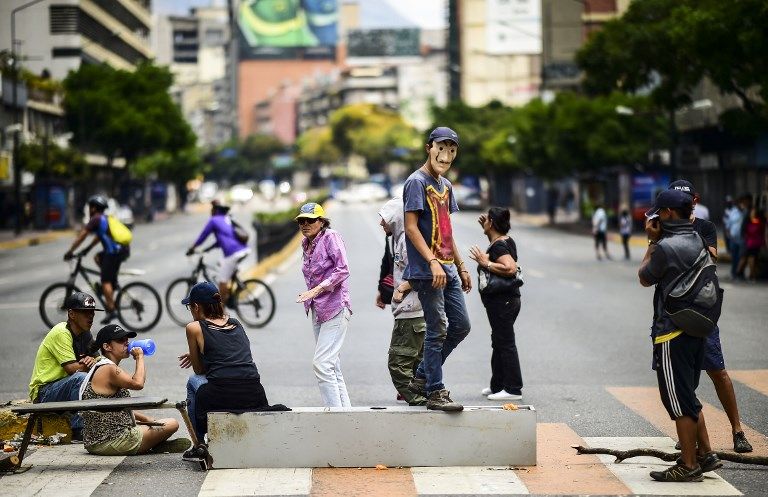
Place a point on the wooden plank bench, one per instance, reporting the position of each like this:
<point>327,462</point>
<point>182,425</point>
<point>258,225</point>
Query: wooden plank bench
<point>98,405</point>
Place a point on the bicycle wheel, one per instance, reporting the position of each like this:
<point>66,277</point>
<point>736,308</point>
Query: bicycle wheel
<point>138,306</point>
<point>178,290</point>
<point>255,303</point>
<point>52,301</point>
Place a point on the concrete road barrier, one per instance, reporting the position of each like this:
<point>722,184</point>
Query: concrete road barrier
<point>367,436</point>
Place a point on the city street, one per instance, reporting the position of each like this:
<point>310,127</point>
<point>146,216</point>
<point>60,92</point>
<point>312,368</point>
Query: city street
<point>582,335</point>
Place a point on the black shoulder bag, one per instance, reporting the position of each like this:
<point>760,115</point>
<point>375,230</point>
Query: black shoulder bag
<point>489,283</point>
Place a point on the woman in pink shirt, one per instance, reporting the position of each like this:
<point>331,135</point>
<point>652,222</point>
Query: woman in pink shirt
<point>754,239</point>
<point>326,274</point>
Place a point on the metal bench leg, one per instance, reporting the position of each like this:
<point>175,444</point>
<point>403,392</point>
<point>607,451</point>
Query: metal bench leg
<point>27,436</point>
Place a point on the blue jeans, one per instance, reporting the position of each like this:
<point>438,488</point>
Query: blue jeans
<point>193,384</point>
<point>447,323</point>
<point>64,390</point>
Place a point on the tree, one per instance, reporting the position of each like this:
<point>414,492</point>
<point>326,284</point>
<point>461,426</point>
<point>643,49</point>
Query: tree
<point>122,113</point>
<point>315,146</point>
<point>244,160</point>
<point>48,160</point>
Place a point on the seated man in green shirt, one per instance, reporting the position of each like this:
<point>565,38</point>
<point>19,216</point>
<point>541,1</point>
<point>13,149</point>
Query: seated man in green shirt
<point>62,359</point>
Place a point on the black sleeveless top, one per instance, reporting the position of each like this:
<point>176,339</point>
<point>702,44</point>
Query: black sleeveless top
<point>227,351</point>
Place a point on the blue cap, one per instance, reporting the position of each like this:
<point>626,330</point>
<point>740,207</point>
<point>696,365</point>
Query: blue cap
<point>670,199</point>
<point>683,185</point>
<point>441,134</point>
<point>204,292</point>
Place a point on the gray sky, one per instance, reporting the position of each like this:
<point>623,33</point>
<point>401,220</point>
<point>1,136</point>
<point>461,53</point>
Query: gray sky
<point>424,13</point>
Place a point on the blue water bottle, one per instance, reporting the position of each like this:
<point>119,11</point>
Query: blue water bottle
<point>147,345</point>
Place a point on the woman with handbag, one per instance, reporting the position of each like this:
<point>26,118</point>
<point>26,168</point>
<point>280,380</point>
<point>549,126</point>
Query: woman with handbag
<point>499,285</point>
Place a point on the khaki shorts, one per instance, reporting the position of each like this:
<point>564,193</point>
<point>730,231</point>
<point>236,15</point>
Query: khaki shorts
<point>127,444</point>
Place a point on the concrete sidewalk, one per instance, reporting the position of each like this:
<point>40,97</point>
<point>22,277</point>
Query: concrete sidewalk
<point>9,240</point>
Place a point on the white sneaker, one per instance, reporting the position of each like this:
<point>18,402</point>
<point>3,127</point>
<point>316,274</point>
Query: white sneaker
<point>504,395</point>
<point>486,391</point>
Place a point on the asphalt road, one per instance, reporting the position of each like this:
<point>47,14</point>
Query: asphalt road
<point>582,331</point>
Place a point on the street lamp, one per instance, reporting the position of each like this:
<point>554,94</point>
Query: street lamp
<point>16,115</point>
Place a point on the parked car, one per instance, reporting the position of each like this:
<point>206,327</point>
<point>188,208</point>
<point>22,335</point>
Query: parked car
<point>469,199</point>
<point>241,193</point>
<point>363,192</point>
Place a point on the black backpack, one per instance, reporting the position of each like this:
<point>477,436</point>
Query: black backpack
<point>694,299</point>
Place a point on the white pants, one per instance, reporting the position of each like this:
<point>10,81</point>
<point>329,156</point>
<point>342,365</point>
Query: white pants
<point>227,265</point>
<point>329,337</point>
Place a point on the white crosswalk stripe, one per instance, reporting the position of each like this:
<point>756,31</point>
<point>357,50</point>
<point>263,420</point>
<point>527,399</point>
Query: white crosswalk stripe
<point>634,472</point>
<point>257,481</point>
<point>61,471</point>
<point>467,481</point>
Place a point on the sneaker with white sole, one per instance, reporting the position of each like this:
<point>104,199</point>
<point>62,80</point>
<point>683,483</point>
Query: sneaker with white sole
<point>486,391</point>
<point>504,395</point>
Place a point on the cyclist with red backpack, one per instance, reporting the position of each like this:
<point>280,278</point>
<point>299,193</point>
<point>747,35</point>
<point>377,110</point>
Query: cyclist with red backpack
<point>115,240</point>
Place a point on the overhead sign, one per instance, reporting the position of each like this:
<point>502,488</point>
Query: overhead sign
<point>287,29</point>
<point>383,42</point>
<point>513,27</point>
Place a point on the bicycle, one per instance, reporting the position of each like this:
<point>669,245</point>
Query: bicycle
<point>252,299</point>
<point>137,304</point>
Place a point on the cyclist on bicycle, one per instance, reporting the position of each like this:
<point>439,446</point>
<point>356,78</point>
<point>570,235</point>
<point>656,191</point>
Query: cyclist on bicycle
<point>110,259</point>
<point>220,224</point>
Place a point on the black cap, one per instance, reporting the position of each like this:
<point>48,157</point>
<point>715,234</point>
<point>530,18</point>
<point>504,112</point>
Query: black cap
<point>442,133</point>
<point>204,292</point>
<point>670,199</point>
<point>684,186</point>
<point>81,301</point>
<point>112,332</point>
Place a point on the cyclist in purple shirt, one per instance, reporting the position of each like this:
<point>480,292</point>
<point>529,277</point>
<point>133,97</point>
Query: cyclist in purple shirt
<point>234,250</point>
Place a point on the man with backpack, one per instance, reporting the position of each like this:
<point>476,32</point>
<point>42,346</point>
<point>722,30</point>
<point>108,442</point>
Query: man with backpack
<point>231,238</point>
<point>714,362</point>
<point>677,257</point>
<point>115,239</point>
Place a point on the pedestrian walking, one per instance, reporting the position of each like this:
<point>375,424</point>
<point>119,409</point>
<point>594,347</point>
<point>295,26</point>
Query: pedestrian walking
<point>407,343</point>
<point>435,269</point>
<point>116,433</point>
<point>714,362</point>
<point>64,357</point>
<point>733,224</point>
<point>326,274</point>
<point>625,229</point>
<point>673,248</point>
<point>600,231</point>
<point>226,378</point>
<point>501,305</point>
<point>754,240</point>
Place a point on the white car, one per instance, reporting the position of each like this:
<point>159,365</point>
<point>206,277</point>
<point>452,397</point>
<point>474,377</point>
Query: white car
<point>364,192</point>
<point>241,193</point>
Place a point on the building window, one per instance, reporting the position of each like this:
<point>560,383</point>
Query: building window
<point>64,19</point>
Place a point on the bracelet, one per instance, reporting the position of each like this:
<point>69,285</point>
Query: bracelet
<point>652,242</point>
<point>434,259</point>
<point>488,267</point>
<point>463,271</point>
<point>460,264</point>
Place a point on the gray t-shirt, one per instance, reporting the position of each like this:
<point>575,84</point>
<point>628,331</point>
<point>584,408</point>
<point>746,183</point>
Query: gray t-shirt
<point>433,201</point>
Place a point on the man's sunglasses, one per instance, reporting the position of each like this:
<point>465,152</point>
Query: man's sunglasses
<point>306,220</point>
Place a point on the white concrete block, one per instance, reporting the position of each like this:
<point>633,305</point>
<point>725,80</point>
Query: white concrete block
<point>364,437</point>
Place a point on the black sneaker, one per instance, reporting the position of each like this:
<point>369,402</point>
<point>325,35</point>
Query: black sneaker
<point>440,400</point>
<point>740,443</point>
<point>417,385</point>
<point>174,446</point>
<point>708,462</point>
<point>196,453</point>
<point>678,474</point>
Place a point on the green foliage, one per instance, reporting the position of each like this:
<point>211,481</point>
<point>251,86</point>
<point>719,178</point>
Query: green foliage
<point>572,134</point>
<point>121,113</point>
<point>178,167</point>
<point>668,46</point>
<point>48,160</point>
<point>377,134</point>
<point>244,160</point>
<point>315,146</point>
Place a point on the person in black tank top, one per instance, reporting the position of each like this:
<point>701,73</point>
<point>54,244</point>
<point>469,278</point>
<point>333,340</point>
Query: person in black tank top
<point>220,350</point>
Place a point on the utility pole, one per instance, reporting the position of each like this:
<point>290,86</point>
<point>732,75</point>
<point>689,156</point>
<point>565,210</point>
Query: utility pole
<point>16,117</point>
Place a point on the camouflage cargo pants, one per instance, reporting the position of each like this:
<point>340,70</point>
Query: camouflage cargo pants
<point>405,352</point>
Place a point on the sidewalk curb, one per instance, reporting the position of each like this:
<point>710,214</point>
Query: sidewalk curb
<point>36,240</point>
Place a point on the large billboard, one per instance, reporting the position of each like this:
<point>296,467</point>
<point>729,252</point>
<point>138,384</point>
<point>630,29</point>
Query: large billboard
<point>513,27</point>
<point>287,29</point>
